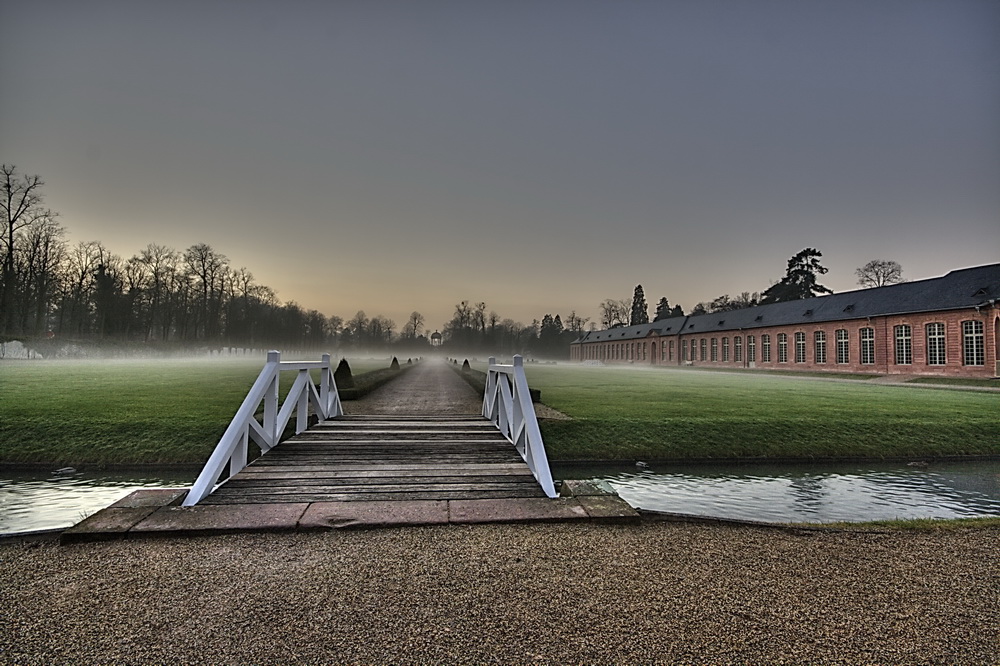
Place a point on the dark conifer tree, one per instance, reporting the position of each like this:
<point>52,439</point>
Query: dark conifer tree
<point>640,311</point>
<point>800,279</point>
<point>662,309</point>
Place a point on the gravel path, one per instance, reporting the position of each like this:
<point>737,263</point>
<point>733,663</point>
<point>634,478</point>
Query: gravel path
<point>430,388</point>
<point>557,593</point>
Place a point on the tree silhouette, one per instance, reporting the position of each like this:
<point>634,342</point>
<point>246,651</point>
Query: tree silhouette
<point>879,273</point>
<point>662,309</point>
<point>800,279</point>
<point>640,311</point>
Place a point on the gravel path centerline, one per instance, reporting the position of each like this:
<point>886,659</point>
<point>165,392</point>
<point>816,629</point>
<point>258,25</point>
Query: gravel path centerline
<point>430,388</point>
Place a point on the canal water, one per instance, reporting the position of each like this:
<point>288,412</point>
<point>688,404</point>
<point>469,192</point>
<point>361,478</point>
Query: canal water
<point>771,493</point>
<point>806,493</point>
<point>33,501</point>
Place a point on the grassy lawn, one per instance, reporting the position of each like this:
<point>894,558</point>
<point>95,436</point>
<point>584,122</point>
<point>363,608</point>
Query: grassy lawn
<point>630,414</point>
<point>102,412</point>
<point>142,412</point>
<point>957,381</point>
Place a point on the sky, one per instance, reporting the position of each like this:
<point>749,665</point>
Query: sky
<point>537,156</point>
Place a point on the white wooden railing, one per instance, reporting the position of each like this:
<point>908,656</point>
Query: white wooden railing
<point>232,449</point>
<point>507,402</point>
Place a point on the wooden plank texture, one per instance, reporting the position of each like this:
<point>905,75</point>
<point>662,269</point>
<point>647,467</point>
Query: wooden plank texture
<point>400,458</point>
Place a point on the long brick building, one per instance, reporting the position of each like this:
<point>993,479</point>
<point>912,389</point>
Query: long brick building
<point>945,326</point>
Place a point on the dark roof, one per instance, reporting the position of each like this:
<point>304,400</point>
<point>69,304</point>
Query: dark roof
<point>670,326</point>
<point>960,289</point>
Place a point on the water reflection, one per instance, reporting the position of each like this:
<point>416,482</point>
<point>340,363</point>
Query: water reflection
<point>814,493</point>
<point>43,501</point>
<point>774,493</point>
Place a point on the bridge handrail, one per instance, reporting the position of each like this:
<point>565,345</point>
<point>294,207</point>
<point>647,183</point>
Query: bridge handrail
<point>232,449</point>
<point>507,403</point>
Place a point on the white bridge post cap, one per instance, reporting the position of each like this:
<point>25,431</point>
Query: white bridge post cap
<point>273,356</point>
<point>518,360</point>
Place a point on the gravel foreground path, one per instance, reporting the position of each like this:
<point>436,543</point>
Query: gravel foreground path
<point>558,593</point>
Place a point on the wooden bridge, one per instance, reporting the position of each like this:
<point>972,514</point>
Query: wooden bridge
<point>423,450</point>
<point>385,458</point>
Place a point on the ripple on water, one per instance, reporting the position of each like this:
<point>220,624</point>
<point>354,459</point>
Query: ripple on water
<point>29,502</point>
<point>823,493</point>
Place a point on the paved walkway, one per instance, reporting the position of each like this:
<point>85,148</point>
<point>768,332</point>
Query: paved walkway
<point>431,388</point>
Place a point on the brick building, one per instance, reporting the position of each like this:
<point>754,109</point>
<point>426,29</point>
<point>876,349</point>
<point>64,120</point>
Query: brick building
<point>946,326</point>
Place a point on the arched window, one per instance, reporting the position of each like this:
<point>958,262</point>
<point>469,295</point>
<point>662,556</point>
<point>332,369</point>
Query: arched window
<point>904,344</point>
<point>867,346</point>
<point>843,346</point>
<point>936,354</point>
<point>800,347</point>
<point>973,349</point>
<point>819,341</point>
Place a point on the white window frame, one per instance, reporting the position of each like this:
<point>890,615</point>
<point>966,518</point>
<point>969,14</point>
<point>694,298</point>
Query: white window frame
<point>937,348</point>
<point>973,343</point>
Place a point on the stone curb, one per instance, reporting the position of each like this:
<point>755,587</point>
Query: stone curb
<point>155,513</point>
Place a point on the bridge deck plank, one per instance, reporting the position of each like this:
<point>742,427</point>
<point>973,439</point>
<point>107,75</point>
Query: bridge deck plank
<point>377,458</point>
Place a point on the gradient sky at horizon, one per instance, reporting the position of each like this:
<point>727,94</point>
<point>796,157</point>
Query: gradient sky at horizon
<point>540,157</point>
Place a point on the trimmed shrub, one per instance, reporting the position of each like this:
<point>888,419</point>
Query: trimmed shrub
<point>395,364</point>
<point>342,375</point>
<point>465,366</point>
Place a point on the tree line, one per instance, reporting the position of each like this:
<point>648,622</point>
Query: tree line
<point>801,280</point>
<point>83,292</point>
<point>474,330</point>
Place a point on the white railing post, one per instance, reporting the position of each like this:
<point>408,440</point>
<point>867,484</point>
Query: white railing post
<point>507,403</point>
<point>325,379</point>
<point>271,402</point>
<point>302,417</point>
<point>491,384</point>
<point>232,449</point>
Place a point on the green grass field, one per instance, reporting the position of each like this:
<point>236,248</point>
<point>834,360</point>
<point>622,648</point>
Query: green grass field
<point>157,412</point>
<point>124,412</point>
<point>630,414</point>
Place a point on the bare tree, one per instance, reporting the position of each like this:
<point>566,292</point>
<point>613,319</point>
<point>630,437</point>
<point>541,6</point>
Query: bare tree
<point>380,329</point>
<point>209,269</point>
<point>879,273</point>
<point>40,257</point>
<point>615,312</point>
<point>413,325</point>
<point>161,264</point>
<point>20,207</point>
<point>575,323</point>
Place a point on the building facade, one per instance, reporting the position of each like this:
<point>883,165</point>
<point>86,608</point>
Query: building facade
<point>946,326</point>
